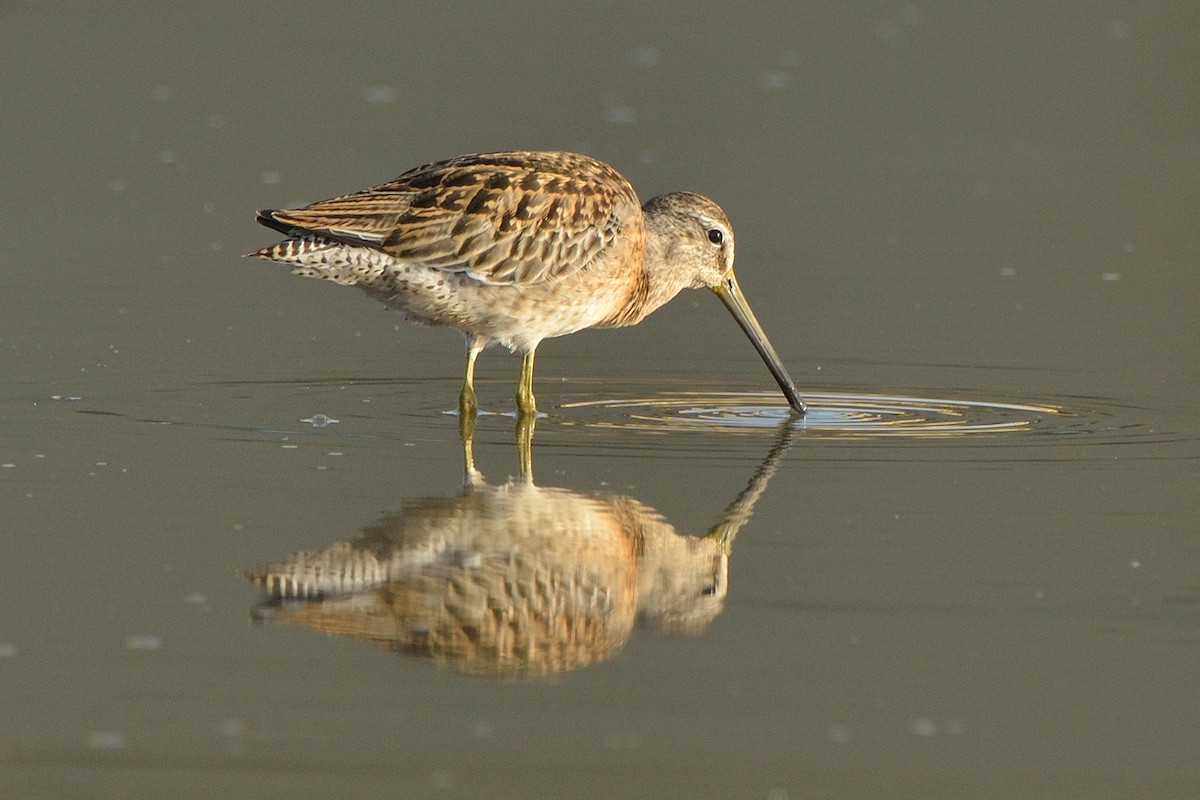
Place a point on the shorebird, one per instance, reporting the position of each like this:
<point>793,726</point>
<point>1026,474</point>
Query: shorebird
<point>515,247</point>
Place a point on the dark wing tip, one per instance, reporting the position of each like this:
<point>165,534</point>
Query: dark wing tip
<point>266,217</point>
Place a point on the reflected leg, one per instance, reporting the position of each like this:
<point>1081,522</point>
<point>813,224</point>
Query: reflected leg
<point>466,432</point>
<point>525,424</point>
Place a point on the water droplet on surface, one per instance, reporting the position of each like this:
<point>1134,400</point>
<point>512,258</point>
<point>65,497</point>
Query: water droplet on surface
<point>145,642</point>
<point>107,740</point>
<point>922,726</point>
<point>645,56</point>
<point>378,95</point>
<point>620,115</point>
<point>774,79</point>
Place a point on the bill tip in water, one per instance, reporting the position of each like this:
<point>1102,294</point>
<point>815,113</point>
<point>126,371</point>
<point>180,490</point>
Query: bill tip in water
<point>797,405</point>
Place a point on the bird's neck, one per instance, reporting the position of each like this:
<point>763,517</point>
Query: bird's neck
<point>657,279</point>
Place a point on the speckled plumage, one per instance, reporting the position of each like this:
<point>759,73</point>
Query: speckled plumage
<point>516,247</point>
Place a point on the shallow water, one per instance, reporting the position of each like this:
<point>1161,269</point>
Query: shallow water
<point>970,571</point>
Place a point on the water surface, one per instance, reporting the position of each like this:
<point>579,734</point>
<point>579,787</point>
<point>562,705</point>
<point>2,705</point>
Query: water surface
<point>969,233</point>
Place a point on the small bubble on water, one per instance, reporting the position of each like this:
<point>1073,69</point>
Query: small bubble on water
<point>197,600</point>
<point>620,115</point>
<point>922,726</point>
<point>107,740</point>
<point>645,56</point>
<point>378,95</point>
<point>1111,276</point>
<point>839,734</point>
<point>774,79</point>
<point>271,177</point>
<point>231,728</point>
<point>144,641</point>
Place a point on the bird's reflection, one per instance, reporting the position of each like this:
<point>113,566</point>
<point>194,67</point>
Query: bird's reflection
<point>514,579</point>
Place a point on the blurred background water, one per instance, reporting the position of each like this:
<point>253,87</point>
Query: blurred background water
<point>949,217</point>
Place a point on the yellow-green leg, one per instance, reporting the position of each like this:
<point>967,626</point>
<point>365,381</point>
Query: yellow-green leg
<point>525,404</point>
<point>467,407</point>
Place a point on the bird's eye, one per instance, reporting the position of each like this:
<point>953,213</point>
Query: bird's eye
<point>715,235</point>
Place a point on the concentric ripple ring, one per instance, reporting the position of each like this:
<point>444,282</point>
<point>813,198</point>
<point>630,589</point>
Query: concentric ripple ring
<point>842,415</point>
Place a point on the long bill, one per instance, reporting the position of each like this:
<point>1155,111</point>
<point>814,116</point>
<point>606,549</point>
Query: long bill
<point>731,295</point>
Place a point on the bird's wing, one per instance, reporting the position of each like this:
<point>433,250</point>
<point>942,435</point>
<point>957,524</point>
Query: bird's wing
<point>501,218</point>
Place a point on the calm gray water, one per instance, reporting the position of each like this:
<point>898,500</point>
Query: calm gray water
<point>970,233</point>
